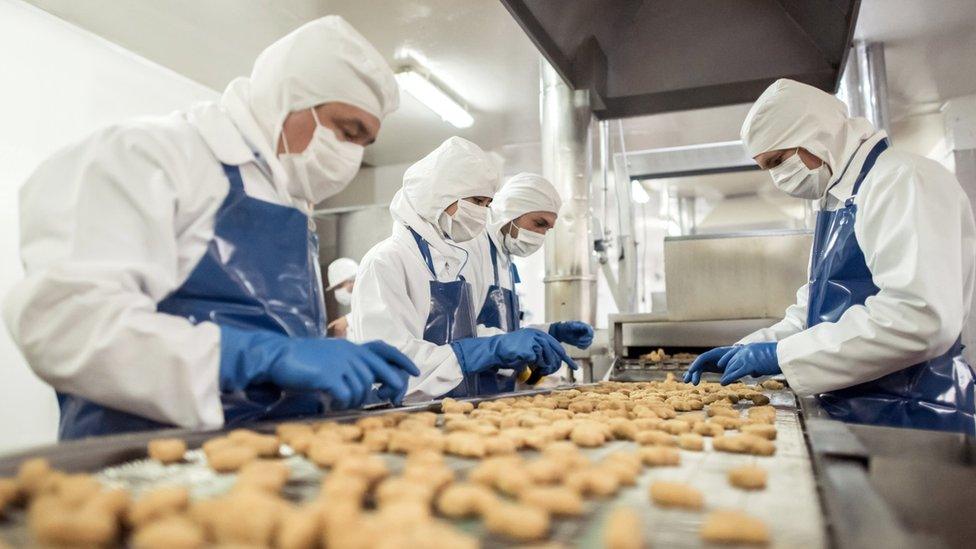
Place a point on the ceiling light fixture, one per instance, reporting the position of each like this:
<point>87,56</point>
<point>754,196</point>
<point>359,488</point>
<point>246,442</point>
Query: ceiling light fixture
<point>435,97</point>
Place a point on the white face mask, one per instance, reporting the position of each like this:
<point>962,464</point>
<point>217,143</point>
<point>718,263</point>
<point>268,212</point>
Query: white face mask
<point>343,296</point>
<point>525,244</point>
<point>324,168</point>
<point>794,178</point>
<point>468,221</point>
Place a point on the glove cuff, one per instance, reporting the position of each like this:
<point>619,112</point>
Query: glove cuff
<point>246,356</point>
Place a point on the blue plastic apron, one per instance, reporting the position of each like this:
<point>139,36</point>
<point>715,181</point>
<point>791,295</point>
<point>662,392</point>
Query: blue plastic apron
<point>452,318</point>
<point>937,394</point>
<point>259,272</point>
<point>501,307</point>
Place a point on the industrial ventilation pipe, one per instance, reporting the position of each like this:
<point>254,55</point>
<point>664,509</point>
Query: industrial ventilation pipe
<point>570,280</point>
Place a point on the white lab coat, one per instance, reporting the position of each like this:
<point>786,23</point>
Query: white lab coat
<point>391,299</point>
<point>391,303</point>
<point>917,232</point>
<point>479,273</point>
<point>111,226</point>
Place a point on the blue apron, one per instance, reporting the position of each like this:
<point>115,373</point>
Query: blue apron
<point>452,318</point>
<point>259,272</point>
<point>937,394</point>
<point>501,307</point>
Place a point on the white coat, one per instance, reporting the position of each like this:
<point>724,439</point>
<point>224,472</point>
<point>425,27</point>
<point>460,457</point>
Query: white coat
<point>917,232</point>
<point>113,224</point>
<point>116,223</point>
<point>391,299</point>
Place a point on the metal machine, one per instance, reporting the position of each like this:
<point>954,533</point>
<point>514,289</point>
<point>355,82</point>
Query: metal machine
<point>719,289</point>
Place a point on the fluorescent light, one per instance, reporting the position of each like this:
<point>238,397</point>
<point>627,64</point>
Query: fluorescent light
<point>638,192</point>
<point>434,98</point>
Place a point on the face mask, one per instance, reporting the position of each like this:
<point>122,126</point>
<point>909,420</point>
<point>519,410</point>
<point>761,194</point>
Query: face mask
<point>343,296</point>
<point>795,179</point>
<point>324,168</point>
<point>525,244</point>
<point>467,222</point>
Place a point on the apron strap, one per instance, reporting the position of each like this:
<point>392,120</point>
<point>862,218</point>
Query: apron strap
<point>869,161</point>
<point>516,279</point>
<point>233,174</point>
<point>424,251</point>
<point>494,259</point>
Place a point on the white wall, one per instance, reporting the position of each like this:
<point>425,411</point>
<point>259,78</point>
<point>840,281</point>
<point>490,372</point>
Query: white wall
<point>58,83</point>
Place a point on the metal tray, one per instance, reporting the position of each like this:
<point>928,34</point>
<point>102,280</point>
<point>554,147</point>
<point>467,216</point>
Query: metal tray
<point>789,506</point>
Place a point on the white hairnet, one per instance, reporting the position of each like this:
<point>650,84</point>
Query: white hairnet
<point>456,169</point>
<point>523,193</point>
<point>322,61</point>
<point>790,114</point>
<point>341,270</point>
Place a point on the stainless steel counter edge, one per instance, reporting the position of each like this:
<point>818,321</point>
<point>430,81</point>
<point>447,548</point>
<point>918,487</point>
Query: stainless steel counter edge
<point>857,515</point>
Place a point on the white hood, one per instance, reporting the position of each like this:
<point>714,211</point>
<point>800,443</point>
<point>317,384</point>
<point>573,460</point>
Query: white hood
<point>322,61</point>
<point>456,169</point>
<point>790,114</point>
<point>523,193</point>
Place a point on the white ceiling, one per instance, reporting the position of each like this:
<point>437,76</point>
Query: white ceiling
<point>473,46</point>
<point>476,48</point>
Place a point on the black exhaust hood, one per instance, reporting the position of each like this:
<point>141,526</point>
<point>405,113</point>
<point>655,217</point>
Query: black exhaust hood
<point>650,56</point>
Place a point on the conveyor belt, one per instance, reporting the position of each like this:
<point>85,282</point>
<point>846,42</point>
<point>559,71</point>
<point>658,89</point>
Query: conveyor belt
<point>790,505</point>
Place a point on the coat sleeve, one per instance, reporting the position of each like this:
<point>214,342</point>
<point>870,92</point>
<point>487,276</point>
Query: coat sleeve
<point>794,321</point>
<point>99,249</point>
<point>382,309</point>
<point>915,228</point>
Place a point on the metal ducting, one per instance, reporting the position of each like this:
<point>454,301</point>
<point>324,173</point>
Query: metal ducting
<point>570,271</point>
<point>640,57</point>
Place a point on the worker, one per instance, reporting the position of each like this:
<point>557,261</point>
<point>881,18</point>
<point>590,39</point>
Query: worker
<point>342,279</point>
<point>521,214</point>
<point>170,262</point>
<point>875,333</point>
<point>410,293</point>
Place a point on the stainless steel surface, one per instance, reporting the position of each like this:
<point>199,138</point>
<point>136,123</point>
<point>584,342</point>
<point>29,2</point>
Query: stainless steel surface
<point>648,57</point>
<point>738,234</point>
<point>749,276</point>
<point>638,333</point>
<point>688,160</point>
<point>570,281</point>
<point>873,79</point>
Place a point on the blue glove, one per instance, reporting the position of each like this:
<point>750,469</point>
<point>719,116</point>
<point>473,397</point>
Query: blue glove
<point>514,350</point>
<point>576,333</point>
<point>344,370</point>
<point>755,359</point>
<point>713,360</point>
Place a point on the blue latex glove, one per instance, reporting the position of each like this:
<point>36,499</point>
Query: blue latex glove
<point>713,360</point>
<point>755,359</point>
<point>514,350</point>
<point>576,333</point>
<point>344,370</point>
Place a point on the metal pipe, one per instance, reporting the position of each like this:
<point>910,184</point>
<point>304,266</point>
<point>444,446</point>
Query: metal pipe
<point>874,83</point>
<point>864,84</point>
<point>627,260</point>
<point>604,171</point>
<point>687,216</point>
<point>570,280</point>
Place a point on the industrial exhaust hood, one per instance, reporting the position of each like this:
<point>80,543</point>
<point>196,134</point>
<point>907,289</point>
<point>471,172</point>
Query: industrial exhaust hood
<point>640,57</point>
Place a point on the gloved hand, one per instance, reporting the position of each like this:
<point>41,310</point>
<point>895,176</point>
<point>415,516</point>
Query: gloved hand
<point>512,350</point>
<point>576,333</point>
<point>344,370</point>
<point>755,359</point>
<point>713,360</point>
